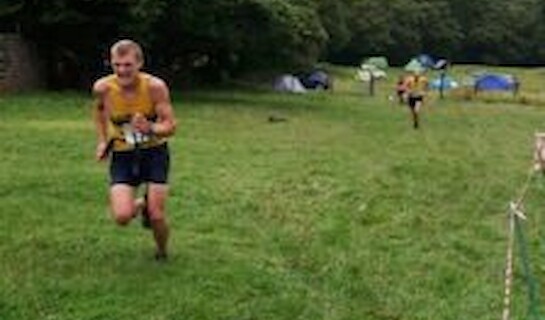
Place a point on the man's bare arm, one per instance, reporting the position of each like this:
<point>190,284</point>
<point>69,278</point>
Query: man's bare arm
<point>166,121</point>
<point>100,119</point>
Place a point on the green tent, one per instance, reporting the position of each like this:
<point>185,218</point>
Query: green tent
<point>379,62</point>
<point>415,66</point>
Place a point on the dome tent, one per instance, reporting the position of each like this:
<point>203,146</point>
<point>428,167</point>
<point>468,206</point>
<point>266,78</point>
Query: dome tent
<point>379,62</point>
<point>495,82</point>
<point>448,83</point>
<point>316,79</point>
<point>426,60</point>
<point>415,66</point>
<point>289,83</point>
<point>368,71</point>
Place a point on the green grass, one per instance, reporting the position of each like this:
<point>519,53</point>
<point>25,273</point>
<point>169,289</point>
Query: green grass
<point>341,212</point>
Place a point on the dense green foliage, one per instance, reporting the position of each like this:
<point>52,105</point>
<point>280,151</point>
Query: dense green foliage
<point>222,38</point>
<point>341,212</point>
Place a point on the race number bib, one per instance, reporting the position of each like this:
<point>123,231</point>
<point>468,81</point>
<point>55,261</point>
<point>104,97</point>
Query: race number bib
<point>132,137</point>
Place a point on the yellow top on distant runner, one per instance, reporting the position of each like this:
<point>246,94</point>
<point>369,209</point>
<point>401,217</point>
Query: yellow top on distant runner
<point>123,109</point>
<point>417,85</point>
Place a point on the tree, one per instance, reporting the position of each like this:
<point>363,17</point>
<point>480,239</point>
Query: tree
<point>335,15</point>
<point>225,38</point>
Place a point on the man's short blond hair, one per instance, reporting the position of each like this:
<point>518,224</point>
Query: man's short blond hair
<point>126,46</point>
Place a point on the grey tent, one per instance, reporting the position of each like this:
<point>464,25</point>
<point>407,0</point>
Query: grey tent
<point>289,83</point>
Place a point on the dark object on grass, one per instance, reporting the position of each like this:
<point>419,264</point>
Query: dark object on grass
<point>274,118</point>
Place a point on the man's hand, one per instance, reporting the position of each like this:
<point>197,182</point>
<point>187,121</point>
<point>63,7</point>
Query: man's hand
<point>101,151</point>
<point>141,124</point>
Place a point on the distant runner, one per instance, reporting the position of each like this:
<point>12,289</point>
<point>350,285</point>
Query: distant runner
<point>401,89</point>
<point>417,87</point>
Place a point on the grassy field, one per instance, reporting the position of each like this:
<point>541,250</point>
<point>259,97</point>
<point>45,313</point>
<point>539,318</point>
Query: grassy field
<point>341,212</point>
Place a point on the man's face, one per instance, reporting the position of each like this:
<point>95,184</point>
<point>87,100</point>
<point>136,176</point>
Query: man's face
<point>126,67</point>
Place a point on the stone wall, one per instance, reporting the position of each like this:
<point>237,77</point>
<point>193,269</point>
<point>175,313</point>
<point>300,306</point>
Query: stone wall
<point>20,66</point>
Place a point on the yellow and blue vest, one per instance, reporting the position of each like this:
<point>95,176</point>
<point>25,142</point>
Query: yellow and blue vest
<point>123,109</point>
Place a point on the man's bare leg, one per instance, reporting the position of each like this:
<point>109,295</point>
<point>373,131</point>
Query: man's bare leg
<point>125,207</point>
<point>415,111</point>
<point>157,195</point>
<point>123,204</point>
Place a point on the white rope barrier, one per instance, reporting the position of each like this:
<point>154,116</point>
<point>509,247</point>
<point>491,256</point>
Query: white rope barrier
<point>514,212</point>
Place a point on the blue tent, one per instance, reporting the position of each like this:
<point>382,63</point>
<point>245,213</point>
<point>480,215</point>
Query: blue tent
<point>426,60</point>
<point>495,82</point>
<point>317,79</point>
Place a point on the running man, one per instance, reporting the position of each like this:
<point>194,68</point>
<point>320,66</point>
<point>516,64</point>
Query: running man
<point>417,87</point>
<point>133,116</point>
<point>401,89</point>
